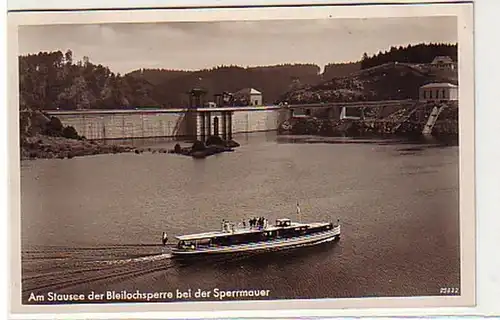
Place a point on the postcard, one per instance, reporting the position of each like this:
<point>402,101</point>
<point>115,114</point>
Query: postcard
<point>232,159</point>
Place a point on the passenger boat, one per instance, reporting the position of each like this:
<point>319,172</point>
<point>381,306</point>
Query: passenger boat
<point>256,237</point>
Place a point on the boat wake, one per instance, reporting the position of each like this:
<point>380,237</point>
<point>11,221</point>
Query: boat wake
<point>163,256</point>
<point>326,240</point>
<point>76,268</point>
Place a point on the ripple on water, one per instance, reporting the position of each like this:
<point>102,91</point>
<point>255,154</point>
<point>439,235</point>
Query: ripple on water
<point>96,223</point>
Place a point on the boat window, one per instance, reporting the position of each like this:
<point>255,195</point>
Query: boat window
<point>204,242</point>
<point>186,244</point>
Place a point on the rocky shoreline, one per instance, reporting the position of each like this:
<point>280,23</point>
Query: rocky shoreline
<point>360,128</point>
<point>45,137</point>
<point>47,147</point>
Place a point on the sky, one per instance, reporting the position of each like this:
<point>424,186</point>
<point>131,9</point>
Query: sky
<point>197,45</point>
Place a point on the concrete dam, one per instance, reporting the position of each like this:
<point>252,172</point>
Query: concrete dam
<point>201,122</point>
<point>175,123</point>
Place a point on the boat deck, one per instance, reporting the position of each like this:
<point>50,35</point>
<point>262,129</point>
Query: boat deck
<point>247,230</point>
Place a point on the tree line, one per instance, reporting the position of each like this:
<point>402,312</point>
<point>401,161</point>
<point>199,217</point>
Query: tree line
<point>53,80</point>
<point>421,53</point>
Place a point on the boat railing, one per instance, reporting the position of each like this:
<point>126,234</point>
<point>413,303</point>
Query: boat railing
<point>271,241</point>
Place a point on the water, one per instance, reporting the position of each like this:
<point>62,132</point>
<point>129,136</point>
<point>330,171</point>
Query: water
<point>95,223</point>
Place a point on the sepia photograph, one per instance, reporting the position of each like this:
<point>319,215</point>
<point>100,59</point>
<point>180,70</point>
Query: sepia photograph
<point>321,155</point>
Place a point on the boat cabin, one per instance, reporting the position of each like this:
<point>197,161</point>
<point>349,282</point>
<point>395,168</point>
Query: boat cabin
<point>283,229</point>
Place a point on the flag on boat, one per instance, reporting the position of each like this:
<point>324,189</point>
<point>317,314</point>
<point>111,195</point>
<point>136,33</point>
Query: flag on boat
<point>298,210</point>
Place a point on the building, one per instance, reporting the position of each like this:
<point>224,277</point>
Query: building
<point>224,99</point>
<point>443,63</point>
<point>248,97</point>
<point>210,104</point>
<point>438,92</point>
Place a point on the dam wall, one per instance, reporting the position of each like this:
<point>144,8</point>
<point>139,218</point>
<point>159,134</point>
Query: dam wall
<point>245,121</point>
<point>127,124</point>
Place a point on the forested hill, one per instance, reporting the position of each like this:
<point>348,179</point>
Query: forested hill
<point>158,76</point>
<point>421,53</point>
<point>272,81</point>
<point>390,81</point>
<point>390,75</point>
<point>338,70</point>
<point>51,80</point>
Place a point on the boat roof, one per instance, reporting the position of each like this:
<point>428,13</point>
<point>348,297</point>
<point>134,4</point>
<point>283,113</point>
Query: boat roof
<point>439,85</point>
<point>237,231</point>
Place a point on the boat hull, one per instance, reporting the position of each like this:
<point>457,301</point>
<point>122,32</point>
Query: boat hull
<point>261,247</point>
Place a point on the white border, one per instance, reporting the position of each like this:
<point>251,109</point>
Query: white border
<point>466,84</point>
<point>91,4</point>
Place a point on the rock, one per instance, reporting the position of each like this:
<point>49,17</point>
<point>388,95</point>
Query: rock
<point>177,148</point>
<point>200,150</point>
<point>198,146</point>
<point>70,133</point>
<point>214,140</point>
<point>232,144</point>
<point>199,154</point>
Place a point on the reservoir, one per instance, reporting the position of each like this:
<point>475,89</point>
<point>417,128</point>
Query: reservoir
<point>94,224</point>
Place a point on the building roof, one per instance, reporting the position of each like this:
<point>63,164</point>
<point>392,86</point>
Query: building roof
<point>248,91</point>
<point>439,85</point>
<point>442,59</point>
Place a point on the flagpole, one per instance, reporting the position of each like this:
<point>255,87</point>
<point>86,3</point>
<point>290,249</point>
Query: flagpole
<point>298,212</point>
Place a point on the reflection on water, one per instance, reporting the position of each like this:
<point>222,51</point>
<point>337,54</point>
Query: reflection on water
<point>95,223</point>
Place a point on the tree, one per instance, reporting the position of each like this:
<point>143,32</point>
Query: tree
<point>68,56</point>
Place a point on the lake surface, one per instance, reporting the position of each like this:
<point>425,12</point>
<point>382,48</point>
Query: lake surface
<point>95,223</point>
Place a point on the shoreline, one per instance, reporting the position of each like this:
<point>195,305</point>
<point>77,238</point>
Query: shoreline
<point>49,147</point>
<point>46,147</point>
<point>420,139</point>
